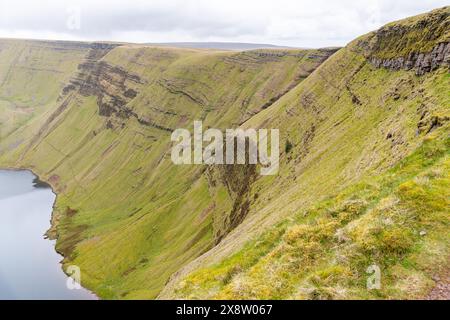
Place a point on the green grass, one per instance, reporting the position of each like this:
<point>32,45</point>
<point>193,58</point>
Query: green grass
<point>323,252</point>
<point>338,140</point>
<point>419,34</point>
<point>360,146</point>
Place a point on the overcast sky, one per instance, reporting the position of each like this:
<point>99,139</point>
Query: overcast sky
<point>301,23</point>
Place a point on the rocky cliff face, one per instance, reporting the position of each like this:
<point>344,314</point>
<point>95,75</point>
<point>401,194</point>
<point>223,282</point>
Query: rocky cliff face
<point>354,185</point>
<point>420,62</point>
<point>362,173</point>
<point>103,142</point>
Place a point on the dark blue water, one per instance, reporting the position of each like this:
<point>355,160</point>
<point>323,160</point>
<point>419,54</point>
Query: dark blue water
<point>29,265</point>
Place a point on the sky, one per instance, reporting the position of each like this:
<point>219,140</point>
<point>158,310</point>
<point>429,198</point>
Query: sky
<point>297,23</point>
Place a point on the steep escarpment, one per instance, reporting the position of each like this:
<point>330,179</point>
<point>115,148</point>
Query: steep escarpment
<point>32,75</point>
<point>363,182</point>
<point>421,62</point>
<point>125,214</point>
<point>111,85</point>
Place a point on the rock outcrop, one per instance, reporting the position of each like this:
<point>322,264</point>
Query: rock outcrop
<point>420,62</point>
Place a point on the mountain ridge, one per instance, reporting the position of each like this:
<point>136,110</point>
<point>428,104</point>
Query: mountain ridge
<point>197,281</point>
<point>109,114</point>
<point>365,174</point>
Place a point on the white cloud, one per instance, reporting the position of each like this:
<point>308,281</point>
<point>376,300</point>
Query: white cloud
<point>286,22</point>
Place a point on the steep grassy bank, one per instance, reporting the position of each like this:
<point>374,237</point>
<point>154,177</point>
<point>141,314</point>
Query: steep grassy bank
<point>124,213</point>
<point>364,180</point>
<point>363,169</point>
<point>397,221</point>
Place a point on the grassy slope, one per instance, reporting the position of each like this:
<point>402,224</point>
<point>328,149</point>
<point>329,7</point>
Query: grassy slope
<point>124,213</point>
<point>417,34</point>
<point>368,171</point>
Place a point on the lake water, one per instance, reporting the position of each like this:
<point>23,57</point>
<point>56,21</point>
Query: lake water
<point>29,265</point>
